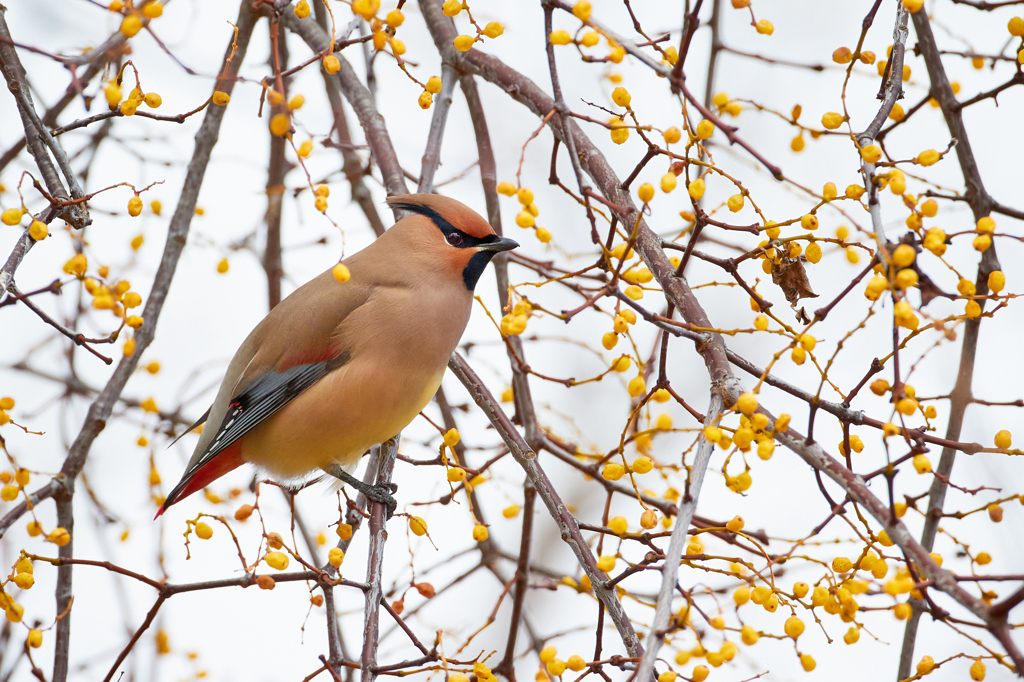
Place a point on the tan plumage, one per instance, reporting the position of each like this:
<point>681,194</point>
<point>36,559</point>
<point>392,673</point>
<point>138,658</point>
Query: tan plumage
<point>376,346</point>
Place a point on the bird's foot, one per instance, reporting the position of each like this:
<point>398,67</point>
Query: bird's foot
<point>379,492</point>
<point>383,493</point>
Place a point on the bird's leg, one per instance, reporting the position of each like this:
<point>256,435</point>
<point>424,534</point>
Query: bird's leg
<point>379,492</point>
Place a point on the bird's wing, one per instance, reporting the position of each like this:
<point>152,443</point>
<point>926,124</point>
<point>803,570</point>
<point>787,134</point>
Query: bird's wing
<point>264,396</point>
<point>294,347</point>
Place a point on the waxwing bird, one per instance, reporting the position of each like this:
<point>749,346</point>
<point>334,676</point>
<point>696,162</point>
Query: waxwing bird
<point>338,367</point>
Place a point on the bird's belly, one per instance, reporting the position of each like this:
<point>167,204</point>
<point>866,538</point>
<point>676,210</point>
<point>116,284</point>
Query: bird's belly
<point>338,419</point>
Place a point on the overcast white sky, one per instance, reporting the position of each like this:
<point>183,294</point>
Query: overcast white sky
<point>257,635</point>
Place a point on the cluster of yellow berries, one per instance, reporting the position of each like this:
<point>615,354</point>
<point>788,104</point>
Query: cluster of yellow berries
<point>463,43</point>
<point>430,88</point>
<point>514,323</point>
<point>132,22</point>
<point>14,484</point>
<point>620,325</point>
<point>6,403</point>
<point>668,183</point>
<point>321,193</point>
<point>634,276</point>
<point>37,230</point>
<point>22,576</point>
<point>554,666</point>
<point>582,11</point>
<point>613,471</point>
<point>725,105</point>
<point>136,98</point>
<point>1016,28</point>
<point>753,429</point>
<point>527,216</point>
<point>116,297</point>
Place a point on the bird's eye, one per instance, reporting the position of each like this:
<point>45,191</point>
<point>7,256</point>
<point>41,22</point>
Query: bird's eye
<point>454,238</point>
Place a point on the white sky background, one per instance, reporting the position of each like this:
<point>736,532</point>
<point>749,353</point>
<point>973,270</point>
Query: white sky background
<point>255,635</point>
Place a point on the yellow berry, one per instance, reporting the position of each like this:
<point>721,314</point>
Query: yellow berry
<point>842,55</point>
<point>15,612</point>
<point>832,120</point>
<point>906,279</point>
<point>807,662</point>
<point>38,230</point>
<point>277,560</point>
<point>921,464</point>
<point>705,129</point>
<point>417,525</point>
<point>619,131</point>
<point>643,465</point>
<point>203,531</point>
<point>996,280</point>
<point>696,189</point>
<point>612,471</point>
<point>764,27</point>
<point>977,671</point>
<point>621,96</point>
<point>582,10</point>
<point>280,124</point>
<point>341,272</point>
<point>134,206</point>
<point>131,25</point>
<point>841,564</point>
<point>637,385</point>
<point>928,158</point>
<point>735,203</point>
<point>645,192</point>
<point>903,255</point>
<point>331,64</point>
<point>673,135</point>
<point>871,153</point>
<point>668,182</point>
<point>794,627</point>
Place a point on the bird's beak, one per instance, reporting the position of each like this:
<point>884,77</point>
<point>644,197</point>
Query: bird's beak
<point>503,244</point>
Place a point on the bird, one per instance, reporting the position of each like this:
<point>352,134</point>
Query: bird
<point>340,366</point>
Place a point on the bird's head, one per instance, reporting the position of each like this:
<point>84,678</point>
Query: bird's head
<point>451,234</point>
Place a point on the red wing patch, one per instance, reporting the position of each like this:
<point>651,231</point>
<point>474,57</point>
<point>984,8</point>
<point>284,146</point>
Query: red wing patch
<point>228,460</point>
